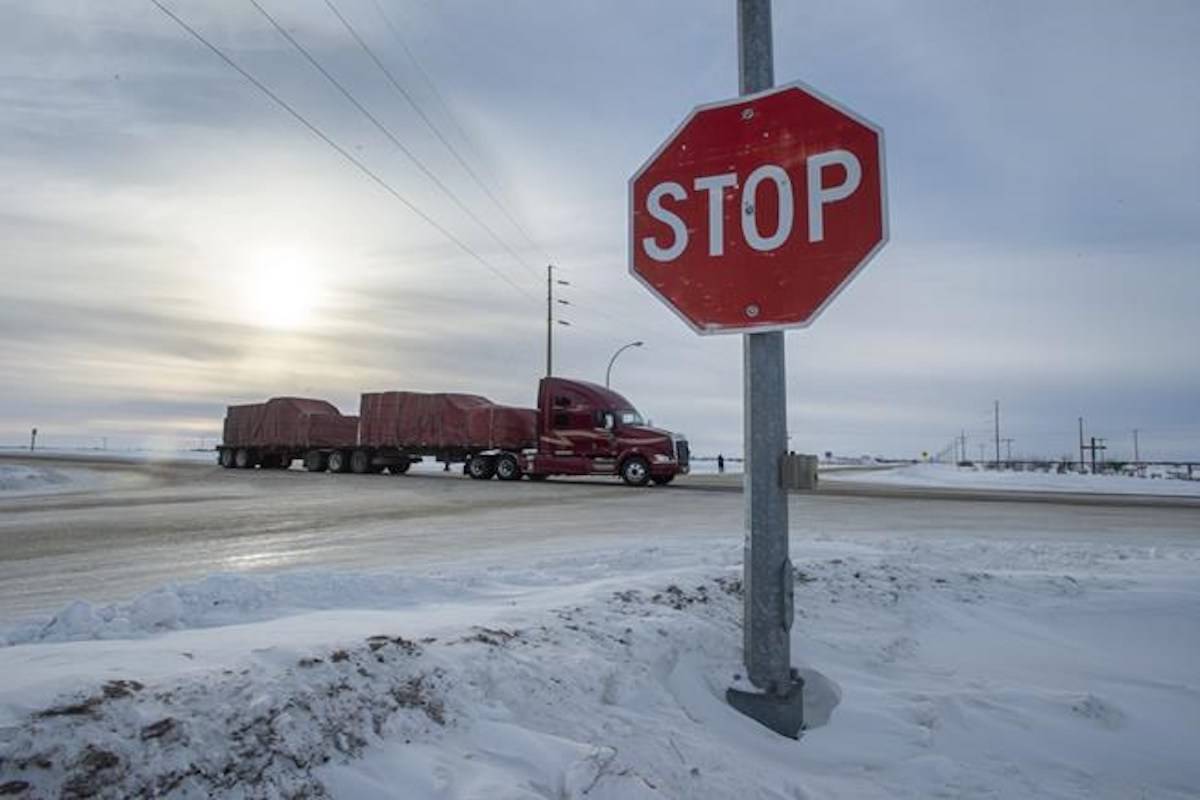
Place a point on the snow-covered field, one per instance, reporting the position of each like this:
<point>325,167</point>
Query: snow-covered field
<point>96,454</point>
<point>949,476</point>
<point>973,665</point>
<point>19,480</point>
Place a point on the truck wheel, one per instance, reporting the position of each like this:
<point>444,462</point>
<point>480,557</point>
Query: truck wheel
<point>481,468</point>
<point>242,459</point>
<point>635,471</point>
<point>226,458</point>
<point>283,461</point>
<point>662,480</point>
<point>269,461</point>
<point>360,462</point>
<point>507,468</point>
<point>338,461</point>
<point>400,467</point>
<point>315,461</point>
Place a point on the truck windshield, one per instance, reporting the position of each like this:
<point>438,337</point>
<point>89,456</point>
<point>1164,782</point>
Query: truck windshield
<point>629,417</point>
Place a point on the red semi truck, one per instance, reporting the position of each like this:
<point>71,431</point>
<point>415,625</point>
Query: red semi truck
<point>578,428</point>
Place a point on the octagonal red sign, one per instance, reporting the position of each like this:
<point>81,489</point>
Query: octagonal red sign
<point>757,211</point>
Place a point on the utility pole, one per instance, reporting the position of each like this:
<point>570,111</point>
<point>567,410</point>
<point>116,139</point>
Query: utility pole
<point>1093,447</point>
<point>996,405</point>
<point>32,440</point>
<point>768,606</point>
<point>551,282</point>
<point>962,440</point>
<point>1008,450</point>
<point>1137,459</point>
<point>1081,465</point>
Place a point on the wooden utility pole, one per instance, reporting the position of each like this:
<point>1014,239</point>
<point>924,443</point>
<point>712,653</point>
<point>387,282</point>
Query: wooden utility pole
<point>997,419</point>
<point>551,282</point>
<point>1081,448</point>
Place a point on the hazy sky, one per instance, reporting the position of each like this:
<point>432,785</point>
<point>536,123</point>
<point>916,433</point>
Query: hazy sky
<point>171,241</point>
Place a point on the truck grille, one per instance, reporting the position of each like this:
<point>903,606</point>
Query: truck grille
<point>682,454</point>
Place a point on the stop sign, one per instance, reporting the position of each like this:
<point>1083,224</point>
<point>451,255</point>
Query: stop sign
<point>757,211</point>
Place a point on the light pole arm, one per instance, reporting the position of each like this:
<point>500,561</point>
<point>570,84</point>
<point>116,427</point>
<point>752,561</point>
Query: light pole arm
<point>611,361</point>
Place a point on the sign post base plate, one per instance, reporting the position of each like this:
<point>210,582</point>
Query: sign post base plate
<point>782,713</point>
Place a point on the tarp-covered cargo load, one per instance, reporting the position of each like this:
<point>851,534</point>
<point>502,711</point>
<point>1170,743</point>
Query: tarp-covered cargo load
<point>293,422</point>
<point>414,420</point>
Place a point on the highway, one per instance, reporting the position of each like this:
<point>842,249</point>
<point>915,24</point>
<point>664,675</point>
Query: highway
<point>135,525</point>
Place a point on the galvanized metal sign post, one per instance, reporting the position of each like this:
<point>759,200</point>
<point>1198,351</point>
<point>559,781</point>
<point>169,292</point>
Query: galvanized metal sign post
<point>750,219</point>
<point>767,569</point>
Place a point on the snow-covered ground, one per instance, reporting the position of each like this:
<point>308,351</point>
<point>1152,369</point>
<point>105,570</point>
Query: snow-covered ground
<point>96,454</point>
<point>949,476</point>
<point>19,480</point>
<point>970,665</point>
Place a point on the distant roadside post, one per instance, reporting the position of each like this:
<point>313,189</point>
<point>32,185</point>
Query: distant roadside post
<point>750,218</point>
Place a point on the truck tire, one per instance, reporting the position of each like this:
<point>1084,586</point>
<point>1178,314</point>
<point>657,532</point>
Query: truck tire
<point>635,471</point>
<point>400,467</point>
<point>360,462</point>
<point>508,468</point>
<point>269,461</point>
<point>316,461</point>
<point>283,461</point>
<point>339,461</point>
<point>226,458</point>
<point>481,468</point>
<point>662,480</point>
<point>243,459</point>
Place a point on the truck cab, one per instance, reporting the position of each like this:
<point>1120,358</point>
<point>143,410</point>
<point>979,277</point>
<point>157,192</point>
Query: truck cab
<point>587,429</point>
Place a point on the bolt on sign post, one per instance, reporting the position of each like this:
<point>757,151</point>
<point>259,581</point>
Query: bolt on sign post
<point>750,218</point>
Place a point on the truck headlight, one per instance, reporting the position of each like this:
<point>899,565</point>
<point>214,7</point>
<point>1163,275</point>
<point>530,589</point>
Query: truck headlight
<point>660,458</point>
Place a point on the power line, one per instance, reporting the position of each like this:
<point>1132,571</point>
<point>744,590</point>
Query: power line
<point>441,100</point>
<point>436,132</point>
<point>279,101</point>
<point>382,128</point>
<point>412,101</point>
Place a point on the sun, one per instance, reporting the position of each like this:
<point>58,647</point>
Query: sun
<point>281,289</point>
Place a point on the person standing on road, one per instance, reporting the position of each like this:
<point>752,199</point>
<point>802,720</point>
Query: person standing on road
<point>720,462</point>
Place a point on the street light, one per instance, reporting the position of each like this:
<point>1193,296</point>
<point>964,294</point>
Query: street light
<point>622,349</point>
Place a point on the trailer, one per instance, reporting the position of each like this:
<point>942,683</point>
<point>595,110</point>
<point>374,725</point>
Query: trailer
<point>273,434</point>
<point>578,428</point>
<point>397,429</point>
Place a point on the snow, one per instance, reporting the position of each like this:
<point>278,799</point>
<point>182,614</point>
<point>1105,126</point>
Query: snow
<point>20,480</point>
<point>949,476</point>
<point>136,455</point>
<point>951,665</point>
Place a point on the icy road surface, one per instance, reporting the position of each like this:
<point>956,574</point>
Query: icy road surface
<point>134,526</point>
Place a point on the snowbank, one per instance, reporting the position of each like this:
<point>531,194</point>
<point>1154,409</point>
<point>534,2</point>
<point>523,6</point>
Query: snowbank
<point>949,476</point>
<point>958,667</point>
